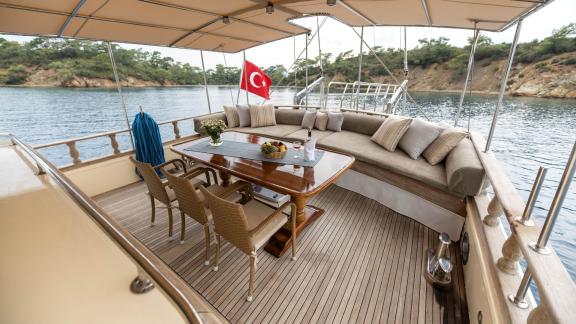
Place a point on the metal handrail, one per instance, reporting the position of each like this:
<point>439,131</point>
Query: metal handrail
<point>555,286</point>
<point>302,93</point>
<point>153,266</point>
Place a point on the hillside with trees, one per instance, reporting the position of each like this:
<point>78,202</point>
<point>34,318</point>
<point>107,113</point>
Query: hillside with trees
<point>434,65</point>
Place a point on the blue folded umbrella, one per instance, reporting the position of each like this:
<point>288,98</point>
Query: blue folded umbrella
<point>147,140</point>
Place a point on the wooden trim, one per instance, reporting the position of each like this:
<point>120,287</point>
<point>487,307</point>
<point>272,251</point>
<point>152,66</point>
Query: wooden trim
<point>121,154</point>
<point>555,286</point>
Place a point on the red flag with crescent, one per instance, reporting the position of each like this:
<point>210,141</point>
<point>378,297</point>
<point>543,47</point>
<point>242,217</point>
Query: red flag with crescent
<point>255,81</point>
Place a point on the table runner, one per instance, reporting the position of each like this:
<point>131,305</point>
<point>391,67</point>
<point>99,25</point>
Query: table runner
<point>252,152</point>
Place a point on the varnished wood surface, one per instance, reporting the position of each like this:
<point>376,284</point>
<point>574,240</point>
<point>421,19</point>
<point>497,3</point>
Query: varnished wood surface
<point>359,263</point>
<point>283,178</point>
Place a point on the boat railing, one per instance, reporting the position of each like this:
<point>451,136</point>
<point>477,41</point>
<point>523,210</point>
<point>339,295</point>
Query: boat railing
<point>112,136</point>
<point>113,141</point>
<point>152,270</point>
<point>528,241</point>
<point>364,95</point>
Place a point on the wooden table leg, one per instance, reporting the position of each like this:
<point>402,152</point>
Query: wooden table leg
<point>225,178</point>
<point>300,208</point>
<point>305,215</point>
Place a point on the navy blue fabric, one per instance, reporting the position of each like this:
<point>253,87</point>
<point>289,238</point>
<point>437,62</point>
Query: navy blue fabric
<point>147,140</point>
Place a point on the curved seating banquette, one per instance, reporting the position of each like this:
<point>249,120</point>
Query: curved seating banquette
<point>446,184</point>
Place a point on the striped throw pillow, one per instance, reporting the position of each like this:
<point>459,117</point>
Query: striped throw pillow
<point>391,131</point>
<point>261,116</point>
<point>439,149</point>
<point>232,117</point>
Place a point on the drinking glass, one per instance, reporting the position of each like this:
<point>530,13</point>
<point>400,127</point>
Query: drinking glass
<point>297,145</point>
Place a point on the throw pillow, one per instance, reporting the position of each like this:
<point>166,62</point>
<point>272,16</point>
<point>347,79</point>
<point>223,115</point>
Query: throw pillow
<point>243,116</point>
<point>308,120</point>
<point>335,121</point>
<point>261,116</point>
<point>418,137</point>
<point>232,116</point>
<point>321,121</point>
<point>391,131</point>
<point>439,149</point>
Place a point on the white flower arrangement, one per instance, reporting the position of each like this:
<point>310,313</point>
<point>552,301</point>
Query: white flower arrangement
<point>214,128</point>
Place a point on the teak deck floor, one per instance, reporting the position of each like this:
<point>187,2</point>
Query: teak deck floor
<point>359,263</point>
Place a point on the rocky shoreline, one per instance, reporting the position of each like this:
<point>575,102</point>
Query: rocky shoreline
<point>551,78</point>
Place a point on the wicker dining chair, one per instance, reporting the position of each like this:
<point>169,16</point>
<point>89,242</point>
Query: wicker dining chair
<point>248,227</point>
<point>191,202</point>
<point>160,190</point>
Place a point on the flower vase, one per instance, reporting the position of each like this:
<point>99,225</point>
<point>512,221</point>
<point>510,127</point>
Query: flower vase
<point>216,140</point>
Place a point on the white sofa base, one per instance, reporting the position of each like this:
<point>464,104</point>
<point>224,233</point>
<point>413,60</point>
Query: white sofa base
<point>404,202</point>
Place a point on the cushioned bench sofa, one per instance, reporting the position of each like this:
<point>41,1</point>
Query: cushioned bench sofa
<point>445,184</point>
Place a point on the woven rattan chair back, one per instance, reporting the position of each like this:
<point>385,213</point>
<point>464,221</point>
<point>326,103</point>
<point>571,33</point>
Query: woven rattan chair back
<point>155,186</point>
<point>188,198</point>
<point>229,221</point>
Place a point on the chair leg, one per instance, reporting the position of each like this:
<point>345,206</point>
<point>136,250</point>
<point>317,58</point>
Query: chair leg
<point>217,256</point>
<point>182,227</point>
<point>153,206</point>
<point>253,259</point>
<point>170,222</point>
<point>207,244</point>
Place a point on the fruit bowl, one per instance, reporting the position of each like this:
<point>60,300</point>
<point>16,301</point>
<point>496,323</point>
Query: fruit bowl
<point>274,150</point>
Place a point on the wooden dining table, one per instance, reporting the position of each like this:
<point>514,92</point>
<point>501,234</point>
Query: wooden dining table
<point>300,182</point>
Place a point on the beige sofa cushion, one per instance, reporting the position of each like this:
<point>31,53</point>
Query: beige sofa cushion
<point>367,151</point>
<point>464,171</point>
<point>302,134</point>
<point>243,115</point>
<point>232,117</point>
<point>361,123</point>
<point>278,131</point>
<point>321,120</point>
<point>261,116</point>
<point>289,116</point>
<point>335,121</point>
<point>418,137</point>
<point>309,119</point>
<point>390,132</point>
<point>439,149</point>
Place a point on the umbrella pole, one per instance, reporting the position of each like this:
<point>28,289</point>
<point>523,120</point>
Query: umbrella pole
<point>119,87</point>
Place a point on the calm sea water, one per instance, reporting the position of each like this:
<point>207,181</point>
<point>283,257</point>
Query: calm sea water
<point>531,132</point>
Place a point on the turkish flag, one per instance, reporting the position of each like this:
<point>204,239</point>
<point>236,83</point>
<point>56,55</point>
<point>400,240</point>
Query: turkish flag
<point>255,81</point>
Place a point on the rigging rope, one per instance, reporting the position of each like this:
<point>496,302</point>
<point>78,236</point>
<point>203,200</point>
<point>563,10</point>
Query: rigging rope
<point>226,68</point>
<point>298,57</point>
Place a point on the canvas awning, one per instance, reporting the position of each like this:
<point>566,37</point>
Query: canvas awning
<point>200,24</point>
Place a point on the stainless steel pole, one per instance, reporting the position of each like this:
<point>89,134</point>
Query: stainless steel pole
<point>306,71</point>
<point>468,73</point>
<point>520,298</point>
<point>503,84</point>
<point>119,88</point>
<point>205,81</point>
<point>294,60</point>
<point>245,74</point>
<point>360,64</point>
<point>561,192</point>
<point>526,219</point>
<point>405,69</point>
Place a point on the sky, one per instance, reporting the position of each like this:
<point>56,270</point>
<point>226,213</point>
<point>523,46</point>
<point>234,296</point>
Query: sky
<point>336,38</point>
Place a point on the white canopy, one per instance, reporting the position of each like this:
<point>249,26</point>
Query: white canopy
<point>235,25</point>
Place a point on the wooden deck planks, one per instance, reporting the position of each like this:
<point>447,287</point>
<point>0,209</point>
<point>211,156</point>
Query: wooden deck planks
<point>359,263</point>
